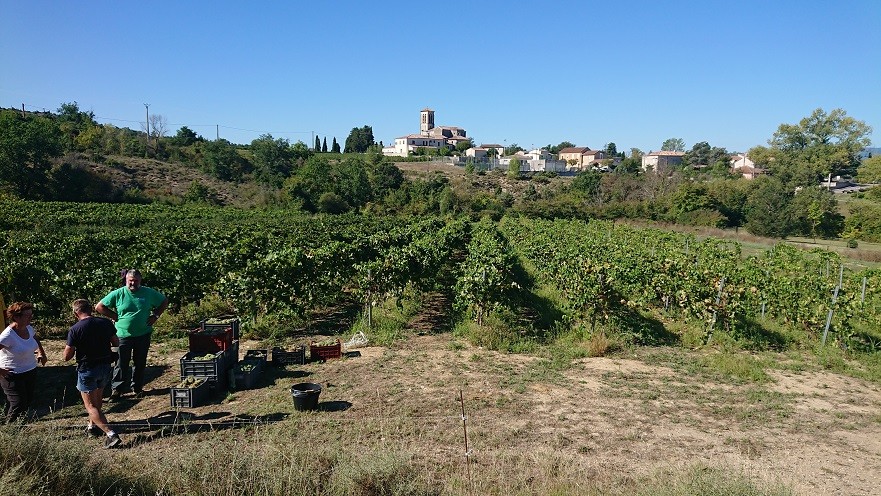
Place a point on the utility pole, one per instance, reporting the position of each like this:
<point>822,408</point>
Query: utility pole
<point>147,106</point>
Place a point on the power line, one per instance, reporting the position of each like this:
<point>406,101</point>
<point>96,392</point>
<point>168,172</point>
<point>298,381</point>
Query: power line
<point>221,126</point>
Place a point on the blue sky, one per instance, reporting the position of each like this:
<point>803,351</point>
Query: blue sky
<point>525,72</point>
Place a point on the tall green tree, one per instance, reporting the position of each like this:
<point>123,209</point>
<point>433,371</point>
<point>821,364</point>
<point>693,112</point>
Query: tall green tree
<point>185,137</point>
<point>221,159</point>
<point>821,144</point>
<point>767,208</point>
<point>359,140</point>
<point>611,150</point>
<point>336,146</point>
<point>673,145</point>
<point>72,121</point>
<point>317,144</point>
<point>324,145</point>
<point>273,159</point>
<point>27,147</point>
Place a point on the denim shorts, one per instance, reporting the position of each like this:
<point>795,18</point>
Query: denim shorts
<point>94,377</point>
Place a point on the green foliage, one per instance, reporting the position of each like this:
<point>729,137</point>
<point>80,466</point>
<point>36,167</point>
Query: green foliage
<point>767,208</point>
<point>342,185</point>
<point>27,147</point>
<point>199,193</point>
<point>673,145</point>
<point>186,137</point>
<point>221,159</point>
<point>803,154</point>
<point>359,140</point>
<point>514,168</point>
<point>587,184</point>
<point>869,170</point>
<point>814,212</point>
<point>275,159</point>
<point>702,154</point>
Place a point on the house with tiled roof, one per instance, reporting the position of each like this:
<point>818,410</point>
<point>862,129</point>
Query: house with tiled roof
<point>581,157</point>
<point>741,164</point>
<point>661,159</point>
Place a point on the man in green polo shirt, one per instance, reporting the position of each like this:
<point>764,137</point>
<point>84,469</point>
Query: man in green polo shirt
<point>134,308</point>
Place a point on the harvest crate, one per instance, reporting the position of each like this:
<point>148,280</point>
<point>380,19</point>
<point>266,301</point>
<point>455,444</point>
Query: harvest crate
<point>189,397</point>
<point>223,322</point>
<point>214,371</point>
<point>317,352</point>
<point>246,379</point>
<point>211,341</point>
<point>260,355</point>
<point>284,357</point>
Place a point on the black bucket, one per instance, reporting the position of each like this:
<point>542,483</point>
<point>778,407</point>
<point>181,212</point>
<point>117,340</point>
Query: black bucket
<point>305,396</point>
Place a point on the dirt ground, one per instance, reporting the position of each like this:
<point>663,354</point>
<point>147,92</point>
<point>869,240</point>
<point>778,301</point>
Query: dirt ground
<point>816,432</point>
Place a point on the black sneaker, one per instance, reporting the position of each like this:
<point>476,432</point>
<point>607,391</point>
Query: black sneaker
<point>114,396</point>
<point>112,441</point>
<point>93,431</point>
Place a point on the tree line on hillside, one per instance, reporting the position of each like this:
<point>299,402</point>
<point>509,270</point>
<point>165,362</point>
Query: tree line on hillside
<point>38,161</point>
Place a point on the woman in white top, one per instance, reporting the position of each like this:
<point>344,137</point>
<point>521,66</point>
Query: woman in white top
<point>18,364</point>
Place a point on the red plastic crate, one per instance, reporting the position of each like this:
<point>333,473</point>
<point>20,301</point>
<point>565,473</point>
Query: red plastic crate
<point>325,352</point>
<point>211,341</point>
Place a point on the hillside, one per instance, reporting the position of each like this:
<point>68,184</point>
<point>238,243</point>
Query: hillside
<point>159,180</point>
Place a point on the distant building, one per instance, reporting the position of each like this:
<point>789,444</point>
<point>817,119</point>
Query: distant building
<point>741,164</point>
<point>581,157</point>
<point>429,137</point>
<point>661,159</point>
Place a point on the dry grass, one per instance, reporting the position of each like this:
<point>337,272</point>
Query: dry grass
<point>390,423</point>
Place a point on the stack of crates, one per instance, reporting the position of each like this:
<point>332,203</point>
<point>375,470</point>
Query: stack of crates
<point>214,350</point>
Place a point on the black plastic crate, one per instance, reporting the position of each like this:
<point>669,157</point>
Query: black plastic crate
<point>246,373</point>
<point>190,367</point>
<point>190,397</point>
<point>283,357</point>
<point>227,321</point>
<point>261,355</point>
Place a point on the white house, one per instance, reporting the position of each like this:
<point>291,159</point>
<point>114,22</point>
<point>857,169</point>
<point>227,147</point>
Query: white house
<point>476,152</point>
<point>741,164</point>
<point>410,143</point>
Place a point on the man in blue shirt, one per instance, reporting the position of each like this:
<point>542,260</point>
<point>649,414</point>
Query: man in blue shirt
<point>90,340</point>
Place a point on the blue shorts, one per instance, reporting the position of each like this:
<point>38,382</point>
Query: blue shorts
<point>94,377</point>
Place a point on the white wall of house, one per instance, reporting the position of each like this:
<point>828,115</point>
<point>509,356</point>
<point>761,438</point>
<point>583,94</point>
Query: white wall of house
<point>407,144</point>
<point>738,161</point>
<point>475,152</point>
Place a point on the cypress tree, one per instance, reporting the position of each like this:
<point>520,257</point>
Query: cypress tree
<point>324,145</point>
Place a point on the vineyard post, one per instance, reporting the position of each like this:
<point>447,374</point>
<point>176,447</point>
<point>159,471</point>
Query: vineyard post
<point>840,274</point>
<point>369,299</point>
<point>829,315</point>
<point>763,309</point>
<point>863,292</point>
<point>686,247</point>
<point>715,310</point>
<point>467,451</point>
